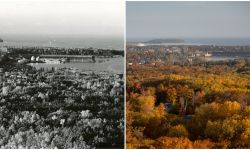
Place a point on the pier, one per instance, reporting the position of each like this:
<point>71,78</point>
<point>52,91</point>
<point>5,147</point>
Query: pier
<point>70,57</point>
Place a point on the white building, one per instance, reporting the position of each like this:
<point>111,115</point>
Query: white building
<point>23,60</point>
<point>140,44</point>
<point>38,58</point>
<point>32,58</point>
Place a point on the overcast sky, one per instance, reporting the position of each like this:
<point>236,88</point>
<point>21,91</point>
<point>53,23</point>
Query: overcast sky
<point>84,17</point>
<point>188,19</point>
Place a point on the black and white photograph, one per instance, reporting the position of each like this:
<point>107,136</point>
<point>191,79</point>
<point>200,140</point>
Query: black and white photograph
<point>61,74</point>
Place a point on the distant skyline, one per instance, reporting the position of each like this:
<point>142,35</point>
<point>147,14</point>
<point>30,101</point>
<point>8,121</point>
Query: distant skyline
<point>66,17</point>
<point>145,20</point>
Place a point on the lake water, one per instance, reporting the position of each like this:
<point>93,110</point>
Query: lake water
<point>222,56</point>
<point>65,41</point>
<point>218,41</point>
<point>112,65</point>
<point>199,41</point>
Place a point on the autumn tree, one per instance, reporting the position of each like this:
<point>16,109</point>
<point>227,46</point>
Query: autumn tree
<point>171,95</point>
<point>172,143</point>
<point>177,131</point>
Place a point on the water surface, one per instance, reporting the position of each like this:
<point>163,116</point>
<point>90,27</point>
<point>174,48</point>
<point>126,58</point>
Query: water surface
<point>112,65</point>
<point>64,41</point>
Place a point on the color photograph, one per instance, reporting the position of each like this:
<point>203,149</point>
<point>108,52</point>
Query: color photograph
<point>187,74</point>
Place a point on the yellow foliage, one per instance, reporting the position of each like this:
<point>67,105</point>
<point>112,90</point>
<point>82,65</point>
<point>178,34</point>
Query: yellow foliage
<point>247,111</point>
<point>215,110</point>
<point>146,103</point>
<point>245,138</point>
<point>229,108</point>
<point>147,144</point>
<point>160,111</point>
<point>203,144</point>
<point>208,111</point>
<point>219,116</point>
<point>173,143</point>
<point>178,131</point>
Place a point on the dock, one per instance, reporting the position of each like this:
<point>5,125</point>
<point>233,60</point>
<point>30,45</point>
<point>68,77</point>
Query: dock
<point>70,57</point>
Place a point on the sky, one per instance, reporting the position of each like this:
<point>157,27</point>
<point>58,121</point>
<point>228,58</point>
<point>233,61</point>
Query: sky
<point>67,17</point>
<point>187,20</point>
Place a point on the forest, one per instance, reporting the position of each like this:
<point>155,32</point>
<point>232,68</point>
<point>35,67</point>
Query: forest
<point>37,111</point>
<point>171,106</point>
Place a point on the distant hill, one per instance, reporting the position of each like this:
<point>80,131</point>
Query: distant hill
<point>1,40</point>
<point>159,41</point>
